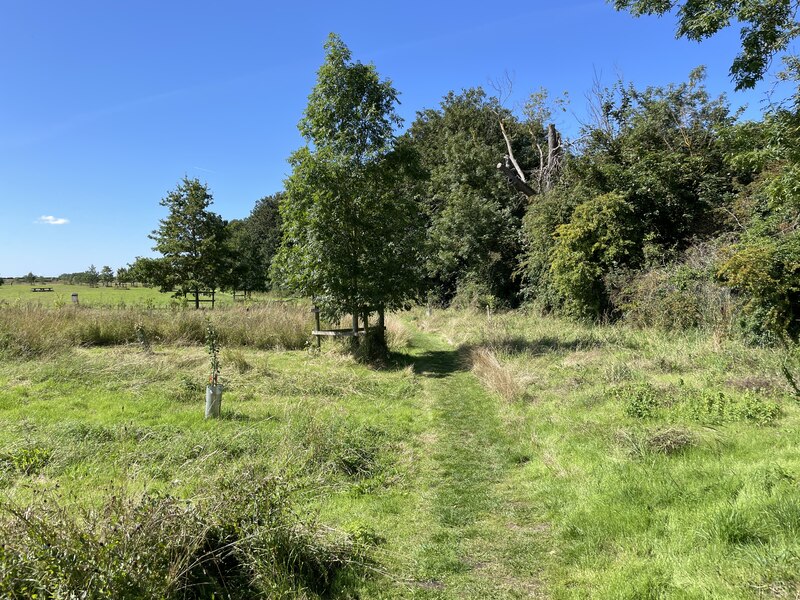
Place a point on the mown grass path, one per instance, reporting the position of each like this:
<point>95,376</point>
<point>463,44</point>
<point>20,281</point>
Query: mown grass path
<point>481,541</point>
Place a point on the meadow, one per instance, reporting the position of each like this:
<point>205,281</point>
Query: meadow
<point>494,456</point>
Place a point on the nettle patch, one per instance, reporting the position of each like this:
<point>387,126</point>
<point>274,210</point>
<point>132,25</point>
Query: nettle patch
<point>708,407</point>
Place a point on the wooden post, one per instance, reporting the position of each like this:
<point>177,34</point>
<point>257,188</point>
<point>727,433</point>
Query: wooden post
<point>355,327</point>
<point>315,310</point>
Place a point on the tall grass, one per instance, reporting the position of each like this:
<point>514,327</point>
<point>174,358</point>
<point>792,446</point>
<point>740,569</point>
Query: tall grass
<point>243,542</point>
<point>28,331</point>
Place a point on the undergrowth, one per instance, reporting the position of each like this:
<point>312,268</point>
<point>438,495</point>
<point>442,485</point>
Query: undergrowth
<point>242,542</point>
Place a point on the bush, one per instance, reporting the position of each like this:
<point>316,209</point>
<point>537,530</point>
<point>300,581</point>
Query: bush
<point>244,543</point>
<point>677,296</point>
<point>767,272</point>
<point>599,236</point>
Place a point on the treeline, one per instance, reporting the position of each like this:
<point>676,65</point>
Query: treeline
<point>664,209</point>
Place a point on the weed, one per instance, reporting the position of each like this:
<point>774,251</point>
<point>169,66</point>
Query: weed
<point>639,401</point>
<point>26,461</point>
<point>244,542</point>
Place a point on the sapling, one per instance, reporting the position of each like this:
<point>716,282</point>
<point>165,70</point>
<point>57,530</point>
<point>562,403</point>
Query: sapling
<point>214,388</point>
<point>212,345</point>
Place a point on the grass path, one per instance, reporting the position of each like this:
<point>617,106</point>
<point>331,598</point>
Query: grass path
<point>482,541</point>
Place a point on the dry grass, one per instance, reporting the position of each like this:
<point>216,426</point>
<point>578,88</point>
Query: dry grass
<point>493,374</point>
<point>30,331</point>
<point>397,335</point>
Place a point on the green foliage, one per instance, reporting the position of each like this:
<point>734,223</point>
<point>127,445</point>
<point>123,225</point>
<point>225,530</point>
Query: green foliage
<point>192,241</point>
<point>679,295</point>
<point>707,406</point>
<point>28,460</point>
<point>350,232</point>
<point>106,275</point>
<point>763,265</point>
<point>212,347</point>
<point>473,215</point>
<point>253,243</point>
<point>600,236</point>
<point>767,272</point>
<point>767,28</point>
<point>243,542</point>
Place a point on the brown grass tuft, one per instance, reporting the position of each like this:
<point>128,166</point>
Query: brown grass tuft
<point>493,374</point>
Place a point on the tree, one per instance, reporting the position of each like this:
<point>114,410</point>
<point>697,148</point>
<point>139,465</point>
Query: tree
<point>658,154</point>
<point>768,27</point>
<point>192,241</point>
<point>350,233</point>
<point>123,276</point>
<point>30,278</point>
<point>253,242</point>
<point>107,275</point>
<point>92,276</point>
<point>473,214</point>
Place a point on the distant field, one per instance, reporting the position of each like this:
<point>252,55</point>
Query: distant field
<point>100,296</point>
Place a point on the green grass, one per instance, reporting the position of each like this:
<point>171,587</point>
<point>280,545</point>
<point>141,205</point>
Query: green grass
<point>666,465</point>
<point>632,464</point>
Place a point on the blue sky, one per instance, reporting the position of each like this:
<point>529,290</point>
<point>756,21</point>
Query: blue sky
<point>105,106</point>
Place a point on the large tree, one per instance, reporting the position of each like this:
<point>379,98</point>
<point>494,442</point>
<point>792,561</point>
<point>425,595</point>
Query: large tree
<point>350,234</point>
<point>473,214</point>
<point>253,242</point>
<point>192,241</point>
<point>767,28</point>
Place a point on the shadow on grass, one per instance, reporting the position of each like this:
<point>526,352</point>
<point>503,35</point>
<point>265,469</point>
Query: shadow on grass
<point>431,363</point>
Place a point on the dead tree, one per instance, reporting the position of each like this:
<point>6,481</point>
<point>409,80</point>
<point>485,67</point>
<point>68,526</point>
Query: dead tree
<point>544,177</point>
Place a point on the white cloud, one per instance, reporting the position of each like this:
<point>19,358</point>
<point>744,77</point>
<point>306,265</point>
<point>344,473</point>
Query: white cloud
<point>51,220</point>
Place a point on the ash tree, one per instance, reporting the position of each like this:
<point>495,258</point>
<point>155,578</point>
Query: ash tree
<point>351,231</point>
<point>191,240</point>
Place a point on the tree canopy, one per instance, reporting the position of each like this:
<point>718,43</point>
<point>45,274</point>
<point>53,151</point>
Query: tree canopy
<point>767,28</point>
<point>350,238</point>
<point>191,239</point>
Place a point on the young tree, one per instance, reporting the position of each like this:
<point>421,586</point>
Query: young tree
<point>92,276</point>
<point>107,275</point>
<point>192,241</point>
<point>350,233</point>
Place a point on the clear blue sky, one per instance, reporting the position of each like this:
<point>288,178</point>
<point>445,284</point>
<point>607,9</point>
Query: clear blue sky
<point>105,106</point>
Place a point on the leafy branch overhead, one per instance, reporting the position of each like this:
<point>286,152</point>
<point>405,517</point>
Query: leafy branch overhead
<point>767,28</point>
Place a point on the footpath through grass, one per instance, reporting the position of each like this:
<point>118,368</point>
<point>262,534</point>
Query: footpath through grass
<point>461,530</point>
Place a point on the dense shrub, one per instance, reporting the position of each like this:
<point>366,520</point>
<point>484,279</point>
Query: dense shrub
<point>599,237</point>
<point>243,543</point>
<point>680,295</point>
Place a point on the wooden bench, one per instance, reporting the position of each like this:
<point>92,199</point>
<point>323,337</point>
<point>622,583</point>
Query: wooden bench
<point>42,289</point>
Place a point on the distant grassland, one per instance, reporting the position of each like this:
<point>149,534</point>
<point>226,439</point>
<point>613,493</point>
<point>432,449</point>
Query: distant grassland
<point>100,296</point>
<point>90,296</point>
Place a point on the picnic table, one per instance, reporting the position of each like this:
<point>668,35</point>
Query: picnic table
<point>42,289</point>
